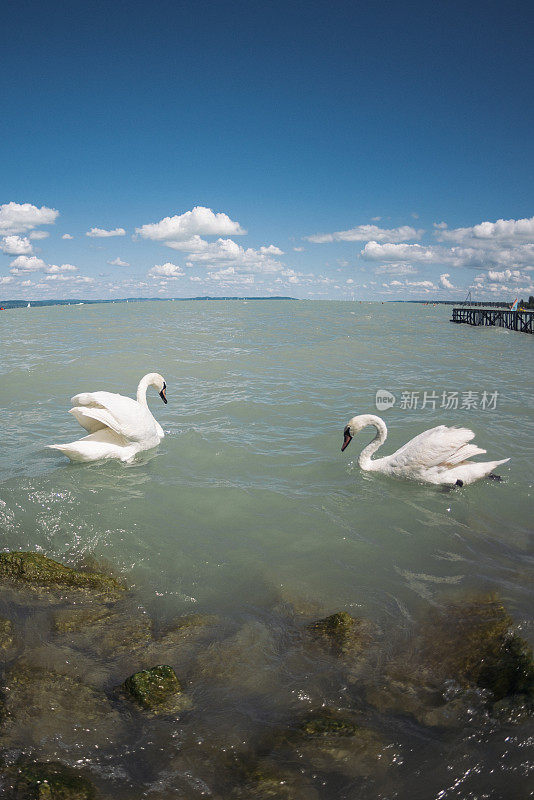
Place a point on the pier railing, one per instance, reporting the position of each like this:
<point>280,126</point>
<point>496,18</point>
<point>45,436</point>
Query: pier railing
<point>522,321</point>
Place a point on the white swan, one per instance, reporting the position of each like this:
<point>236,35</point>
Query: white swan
<point>118,426</point>
<point>439,455</point>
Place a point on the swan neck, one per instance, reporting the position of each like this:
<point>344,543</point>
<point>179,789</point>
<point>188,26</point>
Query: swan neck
<point>364,459</point>
<point>141,391</point>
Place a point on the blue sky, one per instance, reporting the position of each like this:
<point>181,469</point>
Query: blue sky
<point>323,149</point>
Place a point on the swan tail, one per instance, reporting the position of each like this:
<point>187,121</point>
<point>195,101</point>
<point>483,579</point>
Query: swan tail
<point>473,471</point>
<point>101,444</point>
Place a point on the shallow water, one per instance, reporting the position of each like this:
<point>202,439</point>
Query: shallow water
<point>248,500</point>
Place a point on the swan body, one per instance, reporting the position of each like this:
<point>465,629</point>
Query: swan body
<point>118,427</point>
<point>440,455</point>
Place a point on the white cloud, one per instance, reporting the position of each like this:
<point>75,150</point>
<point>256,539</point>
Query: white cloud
<point>23,264</point>
<point>23,217</point>
<point>396,268</point>
<point>504,230</point>
<point>67,236</point>
<point>6,279</point>
<point>54,268</point>
<point>16,245</point>
<point>272,250</point>
<point>367,233</point>
<point>298,249</point>
<point>373,251</point>
<point>249,259</point>
<point>200,221</point>
<point>117,262</point>
<point>167,270</point>
<point>445,282</point>
<point>35,235</point>
<point>74,279</point>
<point>100,233</point>
<point>27,264</point>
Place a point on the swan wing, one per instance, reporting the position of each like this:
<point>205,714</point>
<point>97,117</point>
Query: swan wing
<point>121,414</point>
<point>435,447</point>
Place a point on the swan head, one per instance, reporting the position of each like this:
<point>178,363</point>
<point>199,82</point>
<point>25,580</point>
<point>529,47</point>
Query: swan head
<point>354,426</point>
<point>155,379</point>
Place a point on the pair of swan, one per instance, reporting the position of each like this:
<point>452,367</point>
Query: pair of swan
<point>120,427</point>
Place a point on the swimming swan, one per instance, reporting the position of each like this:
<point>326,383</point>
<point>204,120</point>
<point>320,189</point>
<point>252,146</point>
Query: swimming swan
<point>118,426</point>
<point>439,455</point>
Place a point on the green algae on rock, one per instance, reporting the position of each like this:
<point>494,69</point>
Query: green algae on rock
<point>325,723</point>
<point>35,570</point>
<point>107,631</point>
<point>41,706</point>
<point>6,634</point>
<point>49,781</point>
<point>342,633</point>
<point>260,780</point>
<point>331,740</point>
<point>157,690</point>
<point>474,643</point>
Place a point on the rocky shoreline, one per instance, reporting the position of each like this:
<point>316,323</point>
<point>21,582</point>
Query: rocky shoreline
<point>87,674</point>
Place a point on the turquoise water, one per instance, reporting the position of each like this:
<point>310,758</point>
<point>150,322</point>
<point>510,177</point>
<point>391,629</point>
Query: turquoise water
<point>248,498</point>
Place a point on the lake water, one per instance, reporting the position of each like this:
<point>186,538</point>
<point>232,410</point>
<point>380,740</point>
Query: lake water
<point>248,504</point>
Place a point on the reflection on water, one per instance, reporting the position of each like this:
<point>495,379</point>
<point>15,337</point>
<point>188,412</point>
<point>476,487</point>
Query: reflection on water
<point>248,505</point>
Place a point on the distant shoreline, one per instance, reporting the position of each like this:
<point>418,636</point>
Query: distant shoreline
<point>9,304</point>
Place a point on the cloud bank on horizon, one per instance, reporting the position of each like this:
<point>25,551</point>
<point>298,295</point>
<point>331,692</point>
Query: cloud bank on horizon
<point>492,259</point>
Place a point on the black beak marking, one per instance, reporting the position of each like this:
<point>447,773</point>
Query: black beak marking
<point>347,438</point>
<point>162,393</point>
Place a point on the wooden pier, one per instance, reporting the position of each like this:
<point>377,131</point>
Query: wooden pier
<point>522,321</point>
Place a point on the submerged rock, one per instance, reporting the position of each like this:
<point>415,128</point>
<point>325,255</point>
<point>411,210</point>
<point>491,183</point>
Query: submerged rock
<point>7,639</point>
<point>157,690</point>
<point>260,780</point>
<point>49,781</point>
<point>463,659</point>
<point>36,571</point>
<point>329,740</point>
<point>342,633</point>
<point>108,632</point>
<point>42,707</point>
<point>474,643</point>
<point>68,620</point>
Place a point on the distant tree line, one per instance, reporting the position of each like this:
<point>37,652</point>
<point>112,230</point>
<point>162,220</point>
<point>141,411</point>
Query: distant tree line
<point>524,304</point>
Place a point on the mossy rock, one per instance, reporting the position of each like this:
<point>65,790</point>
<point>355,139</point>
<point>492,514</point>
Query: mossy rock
<point>50,781</point>
<point>329,740</point>
<point>157,690</point>
<point>109,632</point>
<point>6,634</point>
<point>474,644</point>
<point>324,724</point>
<point>35,570</point>
<point>343,634</point>
<point>259,779</point>
<point>69,620</point>
<point>41,706</point>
